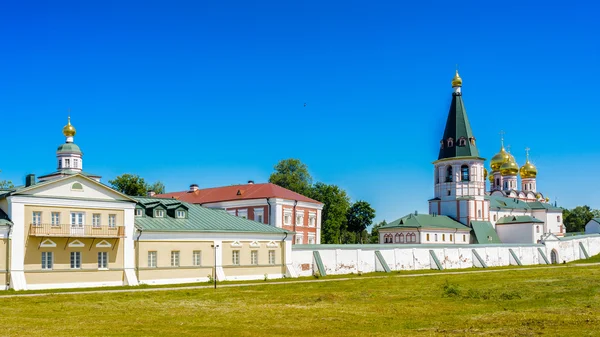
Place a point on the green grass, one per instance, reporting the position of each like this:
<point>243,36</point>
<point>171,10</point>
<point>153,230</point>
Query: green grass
<point>592,259</point>
<point>550,301</point>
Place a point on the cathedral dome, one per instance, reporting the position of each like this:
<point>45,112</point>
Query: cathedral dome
<point>499,159</point>
<point>457,81</point>
<point>528,170</point>
<point>69,130</point>
<point>491,178</point>
<point>509,168</point>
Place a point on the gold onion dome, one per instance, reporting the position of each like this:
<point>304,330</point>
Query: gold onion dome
<point>510,168</point>
<point>491,178</point>
<point>457,81</point>
<point>69,130</point>
<point>528,170</point>
<point>485,173</point>
<point>499,159</point>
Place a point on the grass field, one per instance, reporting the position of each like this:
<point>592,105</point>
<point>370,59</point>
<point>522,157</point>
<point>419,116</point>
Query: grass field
<point>557,301</point>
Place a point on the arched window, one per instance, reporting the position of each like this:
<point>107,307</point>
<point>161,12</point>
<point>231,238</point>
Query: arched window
<point>450,237</point>
<point>449,174</point>
<point>444,237</point>
<point>450,142</point>
<point>537,229</point>
<point>401,238</point>
<point>427,237</point>
<point>479,213</point>
<point>464,173</point>
<point>462,141</point>
<point>435,235</point>
<point>397,238</point>
<point>388,238</point>
<point>413,237</point>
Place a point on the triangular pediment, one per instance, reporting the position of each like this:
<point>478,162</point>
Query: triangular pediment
<point>48,243</point>
<point>76,186</point>
<point>76,244</point>
<point>103,244</point>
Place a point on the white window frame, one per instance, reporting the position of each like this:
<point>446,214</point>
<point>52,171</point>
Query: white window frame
<point>96,220</point>
<point>112,221</point>
<point>254,257</point>
<point>180,214</point>
<point>159,213</point>
<point>175,258</point>
<point>312,220</point>
<point>272,257</point>
<point>300,219</point>
<point>75,260</point>
<point>75,163</point>
<point>287,217</point>
<point>299,237</point>
<point>259,212</point>
<point>55,218</point>
<point>36,218</point>
<point>47,260</point>
<point>313,239</point>
<point>235,257</point>
<point>67,163</point>
<point>152,259</point>
<point>242,213</point>
<point>139,212</point>
<point>102,260</point>
<point>231,212</point>
<point>197,257</point>
<point>78,218</point>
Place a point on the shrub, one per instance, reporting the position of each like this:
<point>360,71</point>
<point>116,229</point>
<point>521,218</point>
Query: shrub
<point>450,290</point>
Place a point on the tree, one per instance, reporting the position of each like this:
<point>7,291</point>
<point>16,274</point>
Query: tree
<point>134,185</point>
<point>6,184</point>
<point>359,216</point>
<point>333,216</point>
<point>374,238</point>
<point>293,175</point>
<point>576,218</point>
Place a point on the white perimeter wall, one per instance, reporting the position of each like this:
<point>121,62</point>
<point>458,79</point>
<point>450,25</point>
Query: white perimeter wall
<point>347,259</point>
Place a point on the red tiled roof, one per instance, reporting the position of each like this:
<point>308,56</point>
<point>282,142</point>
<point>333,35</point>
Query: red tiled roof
<point>237,192</point>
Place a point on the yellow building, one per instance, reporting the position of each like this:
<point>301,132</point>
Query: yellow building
<point>69,230</point>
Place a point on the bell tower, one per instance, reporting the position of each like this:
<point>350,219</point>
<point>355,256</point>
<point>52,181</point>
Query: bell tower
<point>459,174</point>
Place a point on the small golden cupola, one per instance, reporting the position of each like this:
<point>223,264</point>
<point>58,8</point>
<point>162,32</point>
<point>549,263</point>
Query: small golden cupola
<point>510,167</point>
<point>457,81</point>
<point>69,130</point>
<point>528,170</point>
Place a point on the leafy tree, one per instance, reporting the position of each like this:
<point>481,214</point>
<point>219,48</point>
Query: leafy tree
<point>293,175</point>
<point>157,187</point>
<point>134,185</point>
<point>333,216</point>
<point>359,216</point>
<point>576,218</point>
<point>374,238</point>
<point>6,184</point>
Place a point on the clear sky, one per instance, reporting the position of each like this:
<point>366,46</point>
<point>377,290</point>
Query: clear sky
<point>213,92</point>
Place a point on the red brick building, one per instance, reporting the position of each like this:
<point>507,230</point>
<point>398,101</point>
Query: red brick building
<point>266,203</point>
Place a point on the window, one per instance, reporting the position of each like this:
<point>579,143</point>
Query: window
<point>388,238</point>
<point>67,163</point>
<point>287,217</point>
<point>180,214</point>
<point>231,212</point>
<point>312,220</point>
<point>505,185</point>
<point>112,220</point>
<point>449,193</point>
<point>444,237</point>
<point>299,220</point>
<point>462,141</point>
<point>139,212</point>
<point>77,218</point>
<point>435,237</point>
<point>102,260</point>
<point>55,218</point>
<point>152,259</point>
<point>411,237</point>
<point>427,237</point>
<point>558,218</point>
<point>175,258</point>
<point>464,238</point>
<point>47,260</point>
<point>495,217</point>
<point>537,229</point>
<point>259,215</point>
<point>464,173</point>
<point>479,213</point>
<point>449,174</point>
<point>59,163</point>
<point>159,213</point>
<point>235,257</point>
<point>243,213</point>
<point>197,258</point>
<point>271,257</point>
<point>259,218</point>
<point>311,240</point>
<point>298,239</point>
<point>96,220</point>
<point>450,237</point>
<point>75,260</point>
<point>75,163</point>
<point>254,257</point>
<point>450,142</point>
<point>37,218</point>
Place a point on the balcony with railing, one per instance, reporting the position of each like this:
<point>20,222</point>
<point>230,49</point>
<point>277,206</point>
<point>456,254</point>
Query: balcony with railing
<point>80,231</point>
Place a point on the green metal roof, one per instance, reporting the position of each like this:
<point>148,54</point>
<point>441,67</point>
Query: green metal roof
<point>199,219</point>
<point>457,127</point>
<point>543,205</point>
<point>514,203</point>
<point>69,148</point>
<point>484,232</point>
<point>514,219</point>
<point>70,172</point>
<point>425,221</point>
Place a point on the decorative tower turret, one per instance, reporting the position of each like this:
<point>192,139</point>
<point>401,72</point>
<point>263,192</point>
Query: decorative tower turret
<point>509,171</point>
<point>68,154</point>
<point>459,173</point>
<point>497,161</point>
<point>528,174</point>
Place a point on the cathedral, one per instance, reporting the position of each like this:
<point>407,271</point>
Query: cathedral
<point>506,213</point>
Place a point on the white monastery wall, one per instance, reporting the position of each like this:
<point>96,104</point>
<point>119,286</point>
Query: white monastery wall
<point>347,259</point>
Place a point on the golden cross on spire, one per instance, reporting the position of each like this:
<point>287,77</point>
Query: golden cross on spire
<point>69,115</point>
<point>501,133</point>
<point>527,152</point>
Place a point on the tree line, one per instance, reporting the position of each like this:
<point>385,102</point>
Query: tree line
<point>576,218</point>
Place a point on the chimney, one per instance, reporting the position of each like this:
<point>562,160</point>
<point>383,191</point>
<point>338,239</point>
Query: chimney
<point>193,188</point>
<point>250,182</point>
<point>30,180</point>
<point>416,212</point>
<point>151,193</point>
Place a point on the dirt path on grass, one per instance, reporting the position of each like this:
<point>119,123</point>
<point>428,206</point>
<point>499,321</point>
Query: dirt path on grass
<point>133,289</point>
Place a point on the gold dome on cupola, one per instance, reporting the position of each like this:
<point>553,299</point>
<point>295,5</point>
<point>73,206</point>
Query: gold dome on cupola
<point>528,170</point>
<point>457,81</point>
<point>509,168</point>
<point>69,130</point>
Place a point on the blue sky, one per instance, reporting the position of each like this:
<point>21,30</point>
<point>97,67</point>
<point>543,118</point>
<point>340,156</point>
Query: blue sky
<point>213,93</point>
